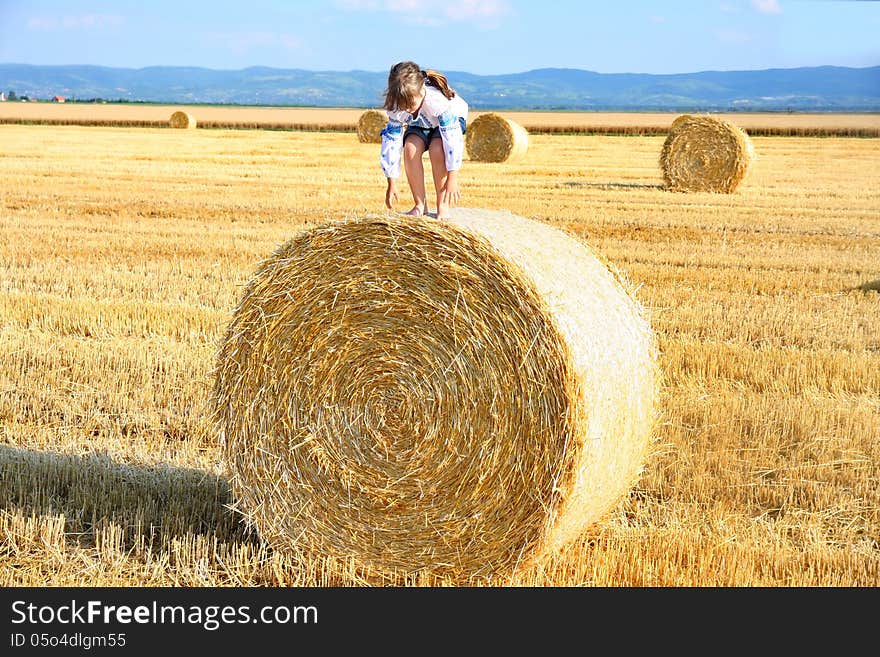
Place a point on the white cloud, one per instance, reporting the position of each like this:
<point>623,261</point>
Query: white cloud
<point>767,6</point>
<point>483,12</point>
<point>85,22</point>
<point>466,10</point>
<point>357,5</point>
<point>405,6</point>
<point>423,21</point>
<point>657,19</point>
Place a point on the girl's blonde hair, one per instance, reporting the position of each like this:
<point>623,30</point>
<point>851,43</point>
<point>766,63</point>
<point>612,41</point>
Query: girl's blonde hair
<point>405,82</point>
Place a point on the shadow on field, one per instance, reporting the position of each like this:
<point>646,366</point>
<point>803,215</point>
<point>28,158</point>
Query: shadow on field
<point>154,504</point>
<point>610,185</point>
<point>870,286</point>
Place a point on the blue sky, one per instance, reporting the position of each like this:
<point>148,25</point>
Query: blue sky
<point>477,36</point>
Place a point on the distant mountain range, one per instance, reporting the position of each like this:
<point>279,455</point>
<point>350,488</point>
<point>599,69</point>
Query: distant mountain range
<point>822,88</point>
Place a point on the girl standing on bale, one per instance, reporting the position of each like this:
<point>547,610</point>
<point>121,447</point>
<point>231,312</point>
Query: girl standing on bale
<point>436,119</point>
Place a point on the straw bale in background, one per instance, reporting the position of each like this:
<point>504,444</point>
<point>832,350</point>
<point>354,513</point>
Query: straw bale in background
<point>453,398</point>
<point>370,125</point>
<point>705,154</point>
<point>182,119</point>
<point>492,137</point>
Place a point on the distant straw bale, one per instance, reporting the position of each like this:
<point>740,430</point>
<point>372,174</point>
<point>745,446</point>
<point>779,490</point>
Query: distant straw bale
<point>182,119</point>
<point>370,125</point>
<point>492,137</point>
<point>454,399</point>
<point>703,153</point>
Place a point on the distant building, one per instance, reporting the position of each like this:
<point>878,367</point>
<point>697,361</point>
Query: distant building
<point>58,99</point>
<point>2,96</point>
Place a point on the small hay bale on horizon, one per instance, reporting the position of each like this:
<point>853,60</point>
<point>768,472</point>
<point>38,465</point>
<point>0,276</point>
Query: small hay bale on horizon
<point>703,153</point>
<point>370,126</point>
<point>492,137</point>
<point>181,119</point>
<point>455,399</point>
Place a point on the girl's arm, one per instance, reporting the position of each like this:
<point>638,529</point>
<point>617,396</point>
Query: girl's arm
<point>453,140</point>
<point>392,145</point>
<point>453,151</point>
<point>447,113</point>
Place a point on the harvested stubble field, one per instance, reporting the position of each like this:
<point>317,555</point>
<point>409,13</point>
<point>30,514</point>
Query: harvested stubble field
<point>124,252</point>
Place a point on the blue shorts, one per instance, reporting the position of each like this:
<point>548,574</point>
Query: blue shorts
<point>427,134</point>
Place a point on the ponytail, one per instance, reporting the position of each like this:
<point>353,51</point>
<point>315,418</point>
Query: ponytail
<point>437,79</point>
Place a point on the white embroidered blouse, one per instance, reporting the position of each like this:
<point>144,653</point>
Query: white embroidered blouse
<point>437,111</point>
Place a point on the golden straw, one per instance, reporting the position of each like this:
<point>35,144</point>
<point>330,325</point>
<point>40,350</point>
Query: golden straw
<point>458,398</point>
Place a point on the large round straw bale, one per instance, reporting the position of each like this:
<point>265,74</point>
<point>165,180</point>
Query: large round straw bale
<point>703,153</point>
<point>457,398</point>
<point>182,119</point>
<point>492,137</point>
<point>370,125</point>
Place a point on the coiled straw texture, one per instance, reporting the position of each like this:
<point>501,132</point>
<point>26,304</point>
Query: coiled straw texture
<point>370,126</point>
<point>705,154</point>
<point>492,137</point>
<point>458,398</point>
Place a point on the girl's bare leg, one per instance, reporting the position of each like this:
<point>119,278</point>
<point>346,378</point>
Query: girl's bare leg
<point>413,149</point>
<point>438,168</point>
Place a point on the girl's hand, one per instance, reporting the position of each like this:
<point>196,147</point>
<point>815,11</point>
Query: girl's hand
<point>391,194</point>
<point>452,192</point>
